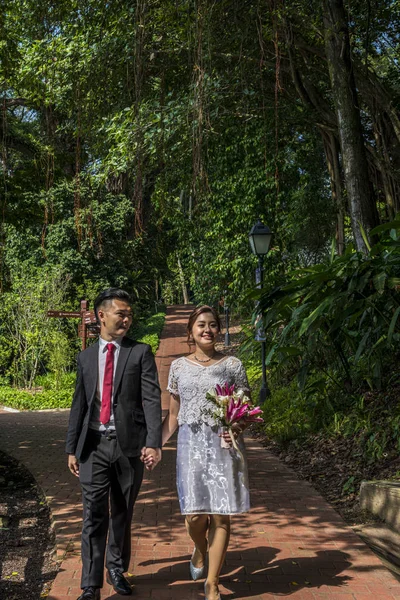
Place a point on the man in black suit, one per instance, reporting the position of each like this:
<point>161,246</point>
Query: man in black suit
<point>115,414</point>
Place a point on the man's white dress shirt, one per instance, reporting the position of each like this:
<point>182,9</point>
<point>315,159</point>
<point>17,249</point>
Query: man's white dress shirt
<point>95,419</point>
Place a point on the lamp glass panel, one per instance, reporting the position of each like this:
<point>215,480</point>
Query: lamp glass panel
<point>252,246</point>
<point>261,243</point>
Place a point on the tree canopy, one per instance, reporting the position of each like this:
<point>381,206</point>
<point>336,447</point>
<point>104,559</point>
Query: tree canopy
<point>140,141</point>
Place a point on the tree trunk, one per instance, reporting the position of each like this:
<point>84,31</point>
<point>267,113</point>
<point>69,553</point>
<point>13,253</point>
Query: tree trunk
<point>362,206</point>
<point>331,147</point>
<point>385,165</point>
<point>183,284</point>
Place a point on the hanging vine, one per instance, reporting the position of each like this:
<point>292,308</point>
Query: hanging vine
<point>77,178</point>
<point>138,70</point>
<point>200,183</point>
<point>332,155</point>
<point>275,7</point>
<point>47,111</point>
<point>4,178</point>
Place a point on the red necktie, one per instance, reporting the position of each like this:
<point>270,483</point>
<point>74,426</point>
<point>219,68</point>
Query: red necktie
<point>105,411</point>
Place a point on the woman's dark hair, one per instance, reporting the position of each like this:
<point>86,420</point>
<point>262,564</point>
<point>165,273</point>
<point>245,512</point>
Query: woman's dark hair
<point>199,311</point>
<point>107,296</point>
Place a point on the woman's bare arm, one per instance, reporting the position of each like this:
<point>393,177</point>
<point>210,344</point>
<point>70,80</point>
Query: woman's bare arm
<point>170,423</point>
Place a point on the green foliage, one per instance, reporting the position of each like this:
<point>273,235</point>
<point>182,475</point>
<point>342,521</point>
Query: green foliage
<point>55,388</point>
<point>136,155</point>
<point>24,400</point>
<point>371,418</point>
<point>348,487</point>
<point>292,414</point>
<point>338,319</point>
<point>133,139</point>
<point>29,336</point>
<point>286,415</point>
<point>374,420</point>
<point>332,336</point>
<point>59,355</point>
<point>148,330</point>
<point>54,381</point>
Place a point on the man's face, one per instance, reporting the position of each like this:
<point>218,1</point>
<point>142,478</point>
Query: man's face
<point>115,319</point>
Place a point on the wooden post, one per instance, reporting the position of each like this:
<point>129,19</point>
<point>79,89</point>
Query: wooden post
<point>87,328</point>
<point>84,308</point>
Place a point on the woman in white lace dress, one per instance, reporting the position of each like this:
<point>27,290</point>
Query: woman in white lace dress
<point>211,480</point>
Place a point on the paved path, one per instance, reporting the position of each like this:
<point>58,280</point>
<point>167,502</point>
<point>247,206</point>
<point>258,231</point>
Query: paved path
<point>292,543</point>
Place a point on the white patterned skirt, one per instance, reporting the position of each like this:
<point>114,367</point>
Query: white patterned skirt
<point>210,479</point>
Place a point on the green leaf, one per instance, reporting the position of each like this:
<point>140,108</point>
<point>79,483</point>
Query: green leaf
<point>393,282</point>
<point>333,250</point>
<point>302,376</point>
<point>290,350</point>
<point>270,355</point>
<point>365,237</point>
<point>361,346</point>
<point>393,324</point>
<point>314,315</point>
<point>385,227</point>
<point>379,281</point>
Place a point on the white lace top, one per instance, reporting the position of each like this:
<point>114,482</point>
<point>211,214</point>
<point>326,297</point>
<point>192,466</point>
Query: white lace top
<point>191,381</point>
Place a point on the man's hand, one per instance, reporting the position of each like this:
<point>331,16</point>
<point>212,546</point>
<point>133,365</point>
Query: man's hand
<point>73,465</point>
<point>150,457</point>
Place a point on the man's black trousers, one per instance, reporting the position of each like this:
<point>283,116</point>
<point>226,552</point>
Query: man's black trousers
<point>110,484</point>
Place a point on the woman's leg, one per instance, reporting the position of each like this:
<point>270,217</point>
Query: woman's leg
<point>196,526</point>
<point>218,540</point>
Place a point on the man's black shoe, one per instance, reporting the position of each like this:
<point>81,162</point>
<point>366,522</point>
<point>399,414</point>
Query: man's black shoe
<point>118,581</point>
<point>90,593</point>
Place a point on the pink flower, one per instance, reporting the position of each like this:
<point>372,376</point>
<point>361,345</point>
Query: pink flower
<point>235,405</point>
<point>255,411</point>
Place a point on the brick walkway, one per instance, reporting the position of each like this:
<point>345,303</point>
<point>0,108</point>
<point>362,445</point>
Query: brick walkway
<point>292,543</point>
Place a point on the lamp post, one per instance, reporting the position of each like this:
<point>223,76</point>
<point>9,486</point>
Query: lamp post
<point>260,238</point>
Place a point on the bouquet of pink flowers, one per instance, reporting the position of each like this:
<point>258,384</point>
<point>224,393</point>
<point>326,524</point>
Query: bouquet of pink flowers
<point>232,406</point>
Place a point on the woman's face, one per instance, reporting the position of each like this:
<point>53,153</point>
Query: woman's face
<point>205,331</point>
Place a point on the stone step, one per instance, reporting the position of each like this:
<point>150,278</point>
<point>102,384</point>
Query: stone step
<point>382,499</point>
<point>384,541</point>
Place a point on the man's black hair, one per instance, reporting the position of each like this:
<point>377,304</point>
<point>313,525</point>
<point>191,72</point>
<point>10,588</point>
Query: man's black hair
<point>108,295</point>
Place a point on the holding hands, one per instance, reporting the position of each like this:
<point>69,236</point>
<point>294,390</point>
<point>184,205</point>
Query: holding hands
<point>150,457</point>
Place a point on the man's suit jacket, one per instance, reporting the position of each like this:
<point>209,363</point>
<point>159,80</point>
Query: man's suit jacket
<point>136,402</point>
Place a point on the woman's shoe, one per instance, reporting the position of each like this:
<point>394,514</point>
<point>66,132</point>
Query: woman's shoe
<point>205,593</point>
<point>196,572</point>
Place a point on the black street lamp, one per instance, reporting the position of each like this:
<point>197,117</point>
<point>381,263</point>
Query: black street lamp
<point>260,239</point>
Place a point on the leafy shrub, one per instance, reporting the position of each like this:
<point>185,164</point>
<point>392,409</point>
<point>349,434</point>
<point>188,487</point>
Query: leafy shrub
<point>339,320</point>
<point>332,332</point>
<point>285,415</point>
<point>30,337</point>
<point>52,381</point>
<point>374,420</point>
<point>58,387</point>
<point>148,330</point>
<point>24,400</point>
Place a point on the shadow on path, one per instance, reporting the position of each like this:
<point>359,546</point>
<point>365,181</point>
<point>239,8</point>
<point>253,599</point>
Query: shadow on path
<point>26,538</point>
<point>290,543</point>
